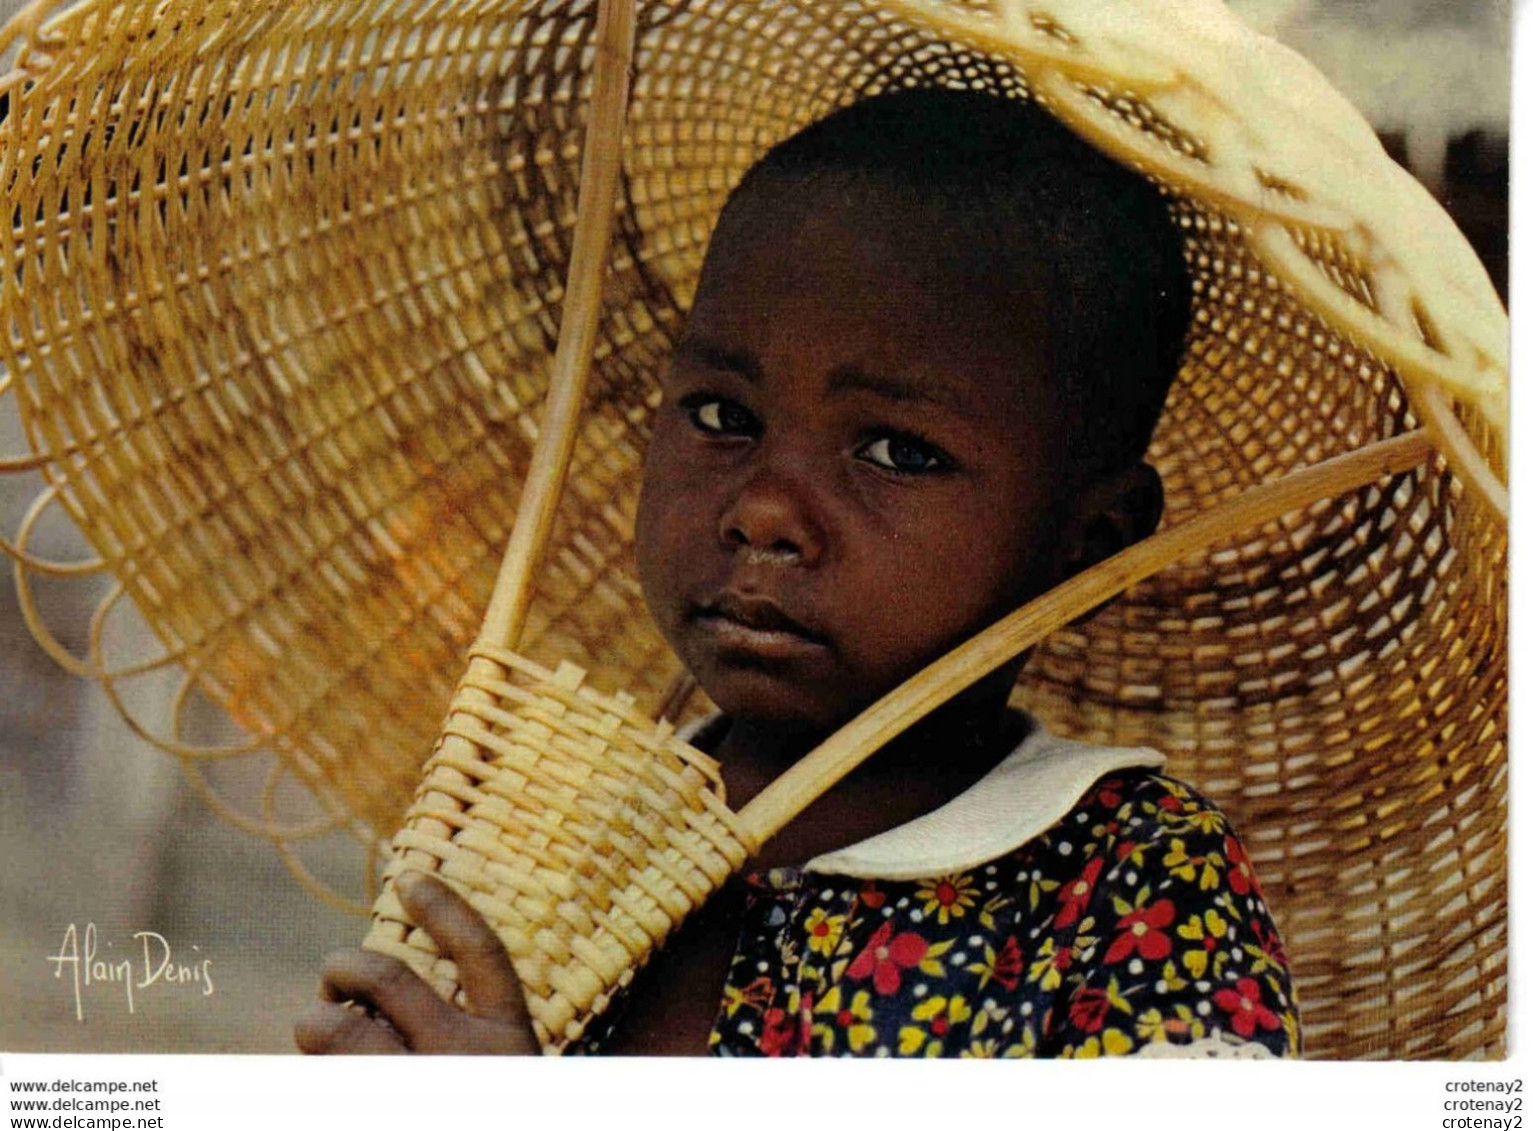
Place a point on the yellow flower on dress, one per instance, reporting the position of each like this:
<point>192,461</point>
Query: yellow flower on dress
<point>1026,1047</point>
<point>1210,822</point>
<point>1115,997</point>
<point>1261,961</point>
<point>981,1050</point>
<point>992,905</point>
<point>931,961</point>
<point>1152,1025</point>
<point>757,995</point>
<point>1203,869</point>
<point>1037,888</point>
<point>1173,978</point>
<point>823,931</point>
<point>1205,931</point>
<point>854,1018</point>
<point>1291,1028</point>
<point>948,896</point>
<point>990,1012</point>
<point>1086,938</point>
<point>1049,967</point>
<point>939,1014</point>
<point>1111,1043</point>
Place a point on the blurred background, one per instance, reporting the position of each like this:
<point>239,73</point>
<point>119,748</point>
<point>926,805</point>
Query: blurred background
<point>97,828</point>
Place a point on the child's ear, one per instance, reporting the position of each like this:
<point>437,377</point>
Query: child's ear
<point>1112,514</point>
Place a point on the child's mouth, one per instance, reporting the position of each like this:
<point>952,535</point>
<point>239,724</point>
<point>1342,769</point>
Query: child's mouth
<point>754,625</point>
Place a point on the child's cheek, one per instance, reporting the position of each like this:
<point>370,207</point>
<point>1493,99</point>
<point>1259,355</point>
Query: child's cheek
<point>974,561</point>
<point>671,519</point>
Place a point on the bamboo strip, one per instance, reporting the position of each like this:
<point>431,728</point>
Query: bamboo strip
<point>677,696</point>
<point>1436,412</point>
<point>601,164</point>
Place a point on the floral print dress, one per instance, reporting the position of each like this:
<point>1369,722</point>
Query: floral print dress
<point>1133,922</point>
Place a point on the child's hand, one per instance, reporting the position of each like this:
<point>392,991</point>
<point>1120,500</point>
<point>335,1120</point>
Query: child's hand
<point>397,1012</point>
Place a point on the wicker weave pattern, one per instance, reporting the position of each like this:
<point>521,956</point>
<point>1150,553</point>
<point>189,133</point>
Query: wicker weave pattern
<point>316,436</point>
<point>583,833</point>
<point>278,315</point>
<point>1357,735</point>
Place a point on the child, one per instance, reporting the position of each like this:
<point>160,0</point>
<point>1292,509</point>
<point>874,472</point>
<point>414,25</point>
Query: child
<point>929,344</point>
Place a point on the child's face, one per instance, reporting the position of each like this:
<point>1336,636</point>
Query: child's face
<point>851,470</point>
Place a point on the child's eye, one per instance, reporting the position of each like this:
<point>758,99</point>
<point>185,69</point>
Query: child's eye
<point>720,416</point>
<point>904,454</point>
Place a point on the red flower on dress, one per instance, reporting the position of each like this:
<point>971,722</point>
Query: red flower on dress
<point>1140,933</point>
<point>1088,1010</point>
<point>1074,896</point>
<point>1242,878</point>
<point>1008,963</point>
<point>1270,942</point>
<point>872,898</point>
<point>886,958</point>
<point>1108,794</point>
<point>777,1032</point>
<point>1244,1005</point>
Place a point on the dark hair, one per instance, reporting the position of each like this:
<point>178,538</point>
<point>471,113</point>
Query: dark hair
<point>1004,175</point>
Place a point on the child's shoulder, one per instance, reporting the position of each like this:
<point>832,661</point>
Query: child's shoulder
<point>1140,834</point>
<point>1147,800</point>
<point>1148,890</point>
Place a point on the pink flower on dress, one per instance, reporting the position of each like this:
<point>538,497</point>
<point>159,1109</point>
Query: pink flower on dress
<point>886,959</point>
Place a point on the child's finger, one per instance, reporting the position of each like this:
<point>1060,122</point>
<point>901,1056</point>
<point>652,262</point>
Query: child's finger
<point>484,968</point>
<point>385,985</point>
<point>328,1028</point>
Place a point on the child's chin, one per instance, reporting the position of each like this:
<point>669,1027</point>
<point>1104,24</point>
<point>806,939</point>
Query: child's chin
<point>760,701</point>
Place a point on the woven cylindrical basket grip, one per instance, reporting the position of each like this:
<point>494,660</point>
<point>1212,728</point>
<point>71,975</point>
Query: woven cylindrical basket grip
<point>581,831</point>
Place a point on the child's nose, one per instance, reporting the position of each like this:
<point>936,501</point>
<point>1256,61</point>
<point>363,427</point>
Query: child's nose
<point>772,520</point>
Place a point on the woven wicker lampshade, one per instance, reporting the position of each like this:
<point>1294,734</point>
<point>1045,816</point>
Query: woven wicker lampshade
<point>285,293</point>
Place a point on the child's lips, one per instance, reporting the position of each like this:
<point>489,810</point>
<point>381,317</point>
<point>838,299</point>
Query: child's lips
<point>738,622</point>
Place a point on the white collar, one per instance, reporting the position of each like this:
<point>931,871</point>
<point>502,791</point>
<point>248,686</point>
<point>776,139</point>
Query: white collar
<point>1026,794</point>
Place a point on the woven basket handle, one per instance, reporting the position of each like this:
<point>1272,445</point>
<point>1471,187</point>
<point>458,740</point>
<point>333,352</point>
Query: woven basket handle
<point>924,692</point>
